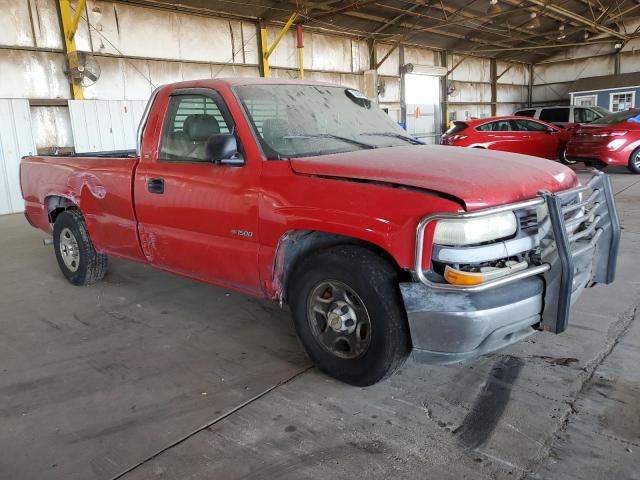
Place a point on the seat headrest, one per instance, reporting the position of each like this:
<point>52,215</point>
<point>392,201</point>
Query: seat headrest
<point>199,127</point>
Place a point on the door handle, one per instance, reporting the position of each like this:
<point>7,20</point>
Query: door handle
<point>155,185</point>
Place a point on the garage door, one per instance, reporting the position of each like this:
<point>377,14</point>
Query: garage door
<point>101,125</point>
<point>16,140</point>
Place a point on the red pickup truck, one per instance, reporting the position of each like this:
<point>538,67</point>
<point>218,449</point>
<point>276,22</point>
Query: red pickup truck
<point>309,194</point>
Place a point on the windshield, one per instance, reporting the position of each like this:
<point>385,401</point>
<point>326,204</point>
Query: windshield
<point>616,117</point>
<point>308,120</point>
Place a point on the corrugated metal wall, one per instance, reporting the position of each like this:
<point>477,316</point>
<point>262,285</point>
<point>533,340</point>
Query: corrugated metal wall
<point>16,140</point>
<point>100,125</point>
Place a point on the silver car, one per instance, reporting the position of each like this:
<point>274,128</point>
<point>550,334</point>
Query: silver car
<point>564,116</point>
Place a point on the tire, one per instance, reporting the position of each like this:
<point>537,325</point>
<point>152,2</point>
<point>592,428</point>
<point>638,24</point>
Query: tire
<point>634,162</point>
<point>372,340</point>
<point>563,158</point>
<point>77,258</point>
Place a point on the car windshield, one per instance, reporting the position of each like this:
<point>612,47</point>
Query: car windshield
<point>295,120</point>
<point>617,117</point>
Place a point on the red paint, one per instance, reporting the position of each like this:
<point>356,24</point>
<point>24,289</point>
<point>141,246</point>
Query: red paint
<point>189,228</point>
<point>609,144</point>
<point>546,143</point>
<point>299,36</point>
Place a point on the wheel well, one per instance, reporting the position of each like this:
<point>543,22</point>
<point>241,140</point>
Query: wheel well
<point>56,205</point>
<point>297,245</point>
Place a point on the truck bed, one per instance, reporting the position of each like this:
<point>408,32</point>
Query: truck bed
<point>101,185</point>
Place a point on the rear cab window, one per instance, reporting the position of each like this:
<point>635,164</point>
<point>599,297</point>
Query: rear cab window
<point>555,115</point>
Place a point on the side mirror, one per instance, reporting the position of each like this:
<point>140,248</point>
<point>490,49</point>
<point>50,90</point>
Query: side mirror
<point>551,130</point>
<point>222,148</point>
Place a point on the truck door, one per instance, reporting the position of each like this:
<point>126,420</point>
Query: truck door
<point>197,216</point>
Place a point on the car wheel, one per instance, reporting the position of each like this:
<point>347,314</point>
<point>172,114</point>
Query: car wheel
<point>564,159</point>
<point>349,315</point>
<point>634,161</point>
<point>79,261</point>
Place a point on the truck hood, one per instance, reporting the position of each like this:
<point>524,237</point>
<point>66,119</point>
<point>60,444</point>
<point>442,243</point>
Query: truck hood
<point>479,178</point>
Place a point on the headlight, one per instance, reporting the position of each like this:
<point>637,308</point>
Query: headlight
<point>475,230</point>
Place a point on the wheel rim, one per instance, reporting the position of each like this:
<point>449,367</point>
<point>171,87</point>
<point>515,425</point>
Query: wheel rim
<point>339,320</point>
<point>636,160</point>
<point>69,250</point>
<point>565,159</point>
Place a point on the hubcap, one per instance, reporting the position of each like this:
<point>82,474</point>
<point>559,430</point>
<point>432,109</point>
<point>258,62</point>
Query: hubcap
<point>338,319</point>
<point>69,250</point>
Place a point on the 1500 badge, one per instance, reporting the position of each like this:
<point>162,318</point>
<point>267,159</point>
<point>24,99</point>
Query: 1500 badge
<point>242,233</point>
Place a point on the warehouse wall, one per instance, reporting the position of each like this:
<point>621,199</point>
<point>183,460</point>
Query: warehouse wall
<point>470,87</point>
<point>552,78</point>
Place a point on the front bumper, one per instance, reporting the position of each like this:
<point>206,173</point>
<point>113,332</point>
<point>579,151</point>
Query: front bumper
<point>450,323</point>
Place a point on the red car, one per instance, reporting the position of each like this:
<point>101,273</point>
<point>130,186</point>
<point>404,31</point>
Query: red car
<point>610,140</point>
<point>309,194</point>
<point>510,134</point>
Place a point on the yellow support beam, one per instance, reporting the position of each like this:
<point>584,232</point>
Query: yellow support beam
<point>70,26</point>
<point>265,59</point>
<point>301,61</point>
<point>267,51</point>
<point>76,19</point>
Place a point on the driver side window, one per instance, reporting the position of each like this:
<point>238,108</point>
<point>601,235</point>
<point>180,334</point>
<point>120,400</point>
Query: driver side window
<point>190,121</point>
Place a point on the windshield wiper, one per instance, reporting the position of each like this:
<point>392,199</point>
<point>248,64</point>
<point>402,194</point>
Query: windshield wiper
<point>411,140</point>
<point>331,135</point>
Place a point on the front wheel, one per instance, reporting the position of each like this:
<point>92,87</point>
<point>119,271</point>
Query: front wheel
<point>564,159</point>
<point>349,315</point>
<point>634,161</point>
<point>79,261</point>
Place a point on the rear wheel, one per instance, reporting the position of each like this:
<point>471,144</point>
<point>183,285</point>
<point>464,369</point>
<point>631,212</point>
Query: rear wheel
<point>634,161</point>
<point>77,258</point>
<point>564,159</point>
<point>349,315</point>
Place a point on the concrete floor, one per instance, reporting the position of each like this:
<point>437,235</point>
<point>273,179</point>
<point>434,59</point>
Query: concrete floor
<point>147,375</point>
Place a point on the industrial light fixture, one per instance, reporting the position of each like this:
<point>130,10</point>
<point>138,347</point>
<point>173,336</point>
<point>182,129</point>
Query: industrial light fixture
<point>562,36</point>
<point>535,21</point>
<point>586,35</point>
<point>494,7</point>
<point>561,27</point>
